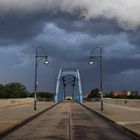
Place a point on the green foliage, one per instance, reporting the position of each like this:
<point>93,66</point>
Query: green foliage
<point>13,90</point>
<point>94,93</point>
<point>2,89</point>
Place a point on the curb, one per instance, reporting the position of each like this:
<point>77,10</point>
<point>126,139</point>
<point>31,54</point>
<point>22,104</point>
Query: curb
<point>113,122</point>
<point>23,122</point>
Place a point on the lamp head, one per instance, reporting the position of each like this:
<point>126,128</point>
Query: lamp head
<point>90,60</point>
<point>46,60</point>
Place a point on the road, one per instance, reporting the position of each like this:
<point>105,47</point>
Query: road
<point>69,121</point>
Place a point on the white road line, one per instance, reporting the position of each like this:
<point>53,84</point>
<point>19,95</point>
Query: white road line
<point>129,122</point>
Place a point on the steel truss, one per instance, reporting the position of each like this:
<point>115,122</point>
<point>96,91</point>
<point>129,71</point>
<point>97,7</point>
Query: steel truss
<point>68,77</point>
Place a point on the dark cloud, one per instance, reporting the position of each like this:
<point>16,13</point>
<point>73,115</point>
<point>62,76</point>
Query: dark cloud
<point>134,37</point>
<point>93,27</point>
<point>68,38</point>
<point>115,66</point>
<point>20,27</point>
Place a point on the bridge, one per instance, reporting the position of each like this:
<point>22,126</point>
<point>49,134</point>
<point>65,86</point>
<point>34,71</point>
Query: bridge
<point>66,78</point>
<point>65,119</point>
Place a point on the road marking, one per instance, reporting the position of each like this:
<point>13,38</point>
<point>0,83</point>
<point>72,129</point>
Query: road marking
<point>70,130</point>
<point>129,122</point>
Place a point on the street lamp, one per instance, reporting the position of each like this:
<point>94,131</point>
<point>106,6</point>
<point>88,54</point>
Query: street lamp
<point>91,58</point>
<point>38,58</point>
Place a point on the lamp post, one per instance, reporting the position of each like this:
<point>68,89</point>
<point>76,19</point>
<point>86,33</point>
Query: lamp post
<point>91,58</point>
<point>38,58</point>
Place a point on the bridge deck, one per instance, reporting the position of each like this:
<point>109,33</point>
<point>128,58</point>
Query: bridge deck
<point>69,121</point>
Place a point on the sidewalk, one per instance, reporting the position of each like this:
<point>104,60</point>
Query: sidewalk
<point>10,116</point>
<point>124,115</point>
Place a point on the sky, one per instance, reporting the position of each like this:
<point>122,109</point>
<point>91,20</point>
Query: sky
<point>69,30</point>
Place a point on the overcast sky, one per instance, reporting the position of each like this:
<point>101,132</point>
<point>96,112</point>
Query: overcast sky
<point>68,30</point>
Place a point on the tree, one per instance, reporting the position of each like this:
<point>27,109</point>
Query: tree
<point>15,90</point>
<point>2,89</point>
<point>94,93</point>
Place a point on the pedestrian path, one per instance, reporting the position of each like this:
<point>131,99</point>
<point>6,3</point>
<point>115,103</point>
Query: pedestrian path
<point>10,116</point>
<point>124,115</point>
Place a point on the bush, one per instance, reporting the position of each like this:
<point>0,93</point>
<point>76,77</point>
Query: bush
<point>2,90</point>
<point>13,90</point>
<point>94,94</point>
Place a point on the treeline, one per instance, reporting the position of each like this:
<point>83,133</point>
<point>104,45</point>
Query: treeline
<point>13,90</point>
<point>18,90</point>
<point>132,95</point>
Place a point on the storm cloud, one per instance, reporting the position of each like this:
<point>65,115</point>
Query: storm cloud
<point>126,13</point>
<point>68,30</point>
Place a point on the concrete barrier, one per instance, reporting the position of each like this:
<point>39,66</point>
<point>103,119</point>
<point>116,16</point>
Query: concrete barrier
<point>9,102</point>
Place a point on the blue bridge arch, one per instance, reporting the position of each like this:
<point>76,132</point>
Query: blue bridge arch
<point>68,77</point>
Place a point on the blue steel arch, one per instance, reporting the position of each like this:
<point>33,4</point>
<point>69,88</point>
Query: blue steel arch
<point>68,77</point>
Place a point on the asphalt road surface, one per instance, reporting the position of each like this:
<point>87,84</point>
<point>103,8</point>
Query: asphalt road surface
<point>69,121</point>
